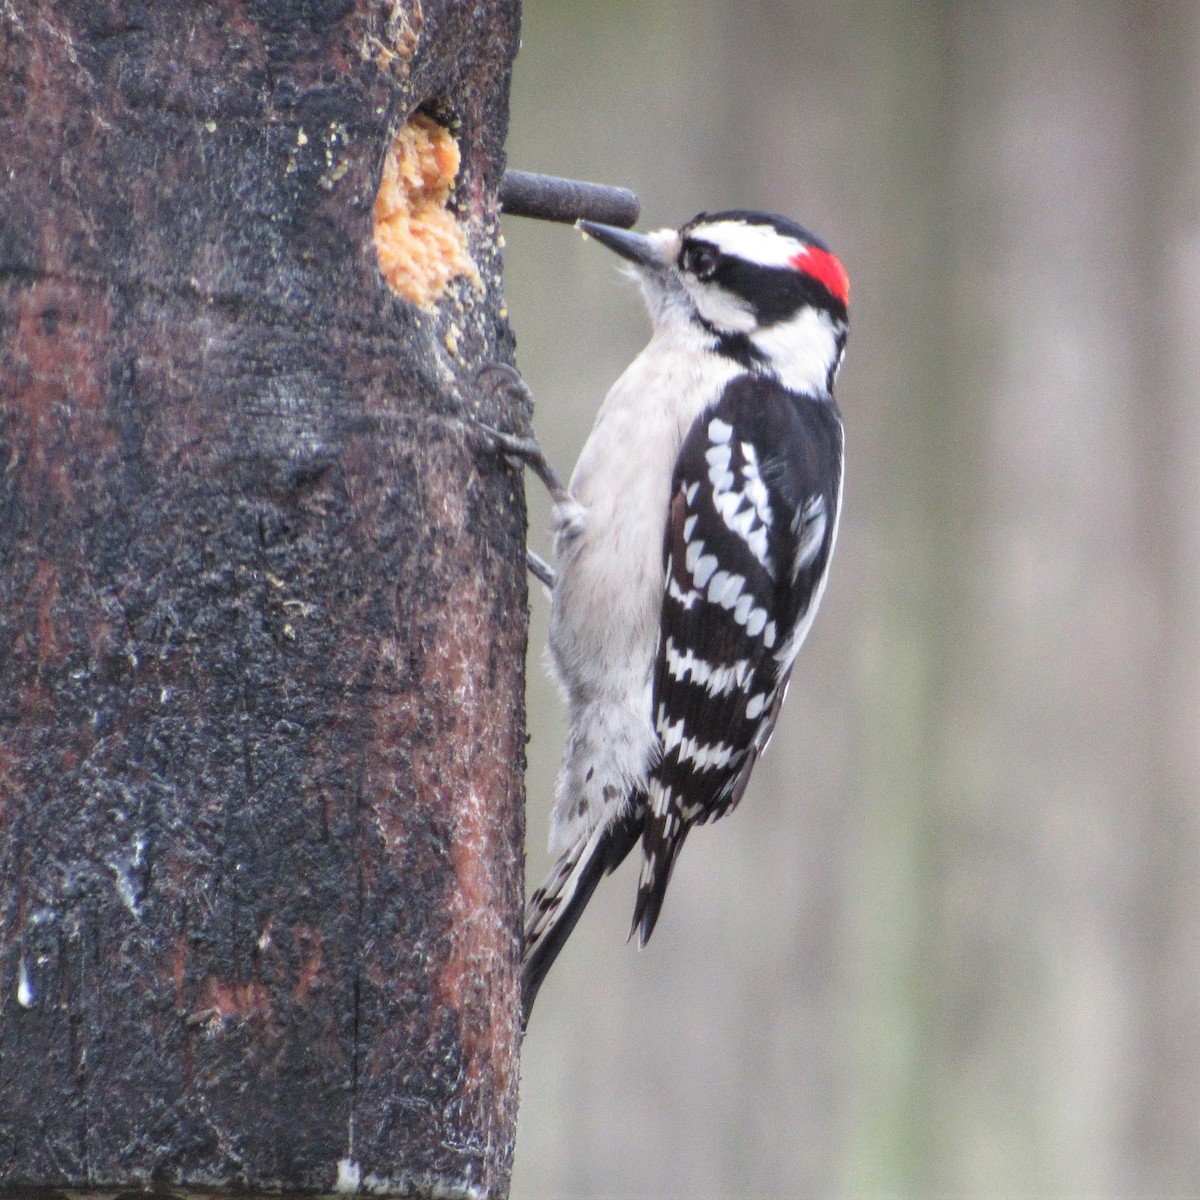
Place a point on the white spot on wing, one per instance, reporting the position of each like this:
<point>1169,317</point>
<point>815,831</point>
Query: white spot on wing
<point>725,589</point>
<point>719,474</point>
<point>687,599</point>
<point>727,504</point>
<point>756,490</point>
<point>706,564</point>
<point>811,523</point>
<point>700,756</point>
<point>786,654</point>
<point>718,456</point>
<point>745,511</point>
<point>716,681</point>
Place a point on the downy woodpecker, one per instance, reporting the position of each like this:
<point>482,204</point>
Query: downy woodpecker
<point>692,547</point>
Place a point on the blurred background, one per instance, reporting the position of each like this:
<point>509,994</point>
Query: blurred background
<point>950,943</point>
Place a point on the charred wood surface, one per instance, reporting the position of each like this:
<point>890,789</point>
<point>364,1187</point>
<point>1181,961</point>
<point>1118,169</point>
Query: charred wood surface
<point>261,609</point>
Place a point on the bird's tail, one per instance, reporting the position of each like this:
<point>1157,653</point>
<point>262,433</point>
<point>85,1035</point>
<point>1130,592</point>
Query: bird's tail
<point>662,840</point>
<point>557,905</point>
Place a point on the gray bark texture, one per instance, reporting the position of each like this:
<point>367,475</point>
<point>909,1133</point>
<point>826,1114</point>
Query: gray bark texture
<point>262,609</point>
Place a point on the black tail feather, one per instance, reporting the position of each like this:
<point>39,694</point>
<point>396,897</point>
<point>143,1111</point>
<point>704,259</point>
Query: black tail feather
<point>548,926</point>
<point>652,885</point>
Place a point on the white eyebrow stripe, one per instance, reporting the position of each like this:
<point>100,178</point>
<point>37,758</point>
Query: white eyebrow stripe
<point>760,244</point>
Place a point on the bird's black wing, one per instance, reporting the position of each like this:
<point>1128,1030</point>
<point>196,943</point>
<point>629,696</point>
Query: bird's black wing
<point>749,535</point>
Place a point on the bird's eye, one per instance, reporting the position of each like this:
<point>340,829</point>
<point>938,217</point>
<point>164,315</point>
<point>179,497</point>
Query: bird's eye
<point>700,259</point>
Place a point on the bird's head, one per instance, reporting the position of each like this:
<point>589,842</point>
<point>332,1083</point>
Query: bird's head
<point>760,287</point>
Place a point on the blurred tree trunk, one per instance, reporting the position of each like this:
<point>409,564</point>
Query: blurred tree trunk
<point>1053,970</point>
<point>261,610</point>
<point>1046,795</point>
<point>917,451</point>
<point>867,1120</point>
<point>1163,1087</point>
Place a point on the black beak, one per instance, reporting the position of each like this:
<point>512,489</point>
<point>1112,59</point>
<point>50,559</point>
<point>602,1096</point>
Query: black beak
<point>636,247</point>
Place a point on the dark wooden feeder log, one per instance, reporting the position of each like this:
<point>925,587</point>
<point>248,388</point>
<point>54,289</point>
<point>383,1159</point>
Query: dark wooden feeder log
<point>262,606</point>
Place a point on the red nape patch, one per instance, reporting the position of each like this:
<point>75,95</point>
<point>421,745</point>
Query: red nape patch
<point>824,268</point>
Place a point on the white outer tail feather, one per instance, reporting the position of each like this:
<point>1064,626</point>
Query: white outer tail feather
<point>558,890</point>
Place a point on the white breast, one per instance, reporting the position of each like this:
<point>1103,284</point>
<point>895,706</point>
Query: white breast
<point>608,599</point>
